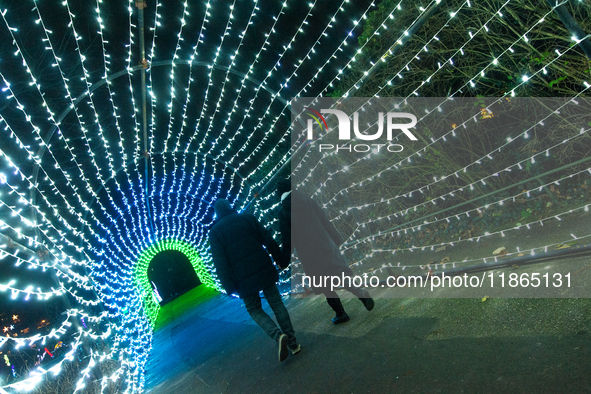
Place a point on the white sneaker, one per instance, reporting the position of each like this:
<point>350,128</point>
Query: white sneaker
<point>282,342</point>
<point>296,349</point>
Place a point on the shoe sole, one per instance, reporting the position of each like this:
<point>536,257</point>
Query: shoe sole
<point>296,350</point>
<point>283,351</point>
<point>341,320</point>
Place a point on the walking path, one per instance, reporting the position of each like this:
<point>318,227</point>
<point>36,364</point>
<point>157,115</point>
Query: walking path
<point>206,343</point>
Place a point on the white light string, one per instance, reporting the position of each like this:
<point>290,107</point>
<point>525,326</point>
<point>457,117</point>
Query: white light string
<point>308,85</point>
<point>277,64</point>
<point>344,43</point>
<point>135,224</point>
<point>227,30</point>
<point>113,236</point>
<point>170,107</point>
<point>488,156</point>
<point>477,75</point>
<point>23,199</point>
<point>489,259</point>
<point>466,214</point>
<point>286,156</point>
<point>452,132</point>
<point>51,118</point>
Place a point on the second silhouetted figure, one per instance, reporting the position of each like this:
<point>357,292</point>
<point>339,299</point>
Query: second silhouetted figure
<point>305,227</point>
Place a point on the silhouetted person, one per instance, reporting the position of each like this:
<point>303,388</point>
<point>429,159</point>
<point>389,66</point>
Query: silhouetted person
<point>245,268</point>
<point>305,228</point>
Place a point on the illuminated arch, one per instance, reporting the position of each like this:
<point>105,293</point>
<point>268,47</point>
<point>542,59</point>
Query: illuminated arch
<point>140,273</point>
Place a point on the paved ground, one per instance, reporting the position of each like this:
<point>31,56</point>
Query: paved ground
<point>409,345</point>
<point>205,342</point>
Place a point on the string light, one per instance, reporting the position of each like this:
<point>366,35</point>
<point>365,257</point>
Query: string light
<point>494,62</point>
<point>464,169</point>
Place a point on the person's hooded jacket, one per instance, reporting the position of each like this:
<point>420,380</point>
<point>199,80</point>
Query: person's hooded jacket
<point>236,243</point>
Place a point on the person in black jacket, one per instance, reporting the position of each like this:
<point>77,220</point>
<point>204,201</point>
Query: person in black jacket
<point>244,267</point>
<point>306,228</point>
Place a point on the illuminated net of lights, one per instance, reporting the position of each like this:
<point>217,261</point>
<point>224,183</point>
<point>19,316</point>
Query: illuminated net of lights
<point>84,205</point>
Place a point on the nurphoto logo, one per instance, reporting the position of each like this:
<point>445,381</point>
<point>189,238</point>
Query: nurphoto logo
<point>395,125</point>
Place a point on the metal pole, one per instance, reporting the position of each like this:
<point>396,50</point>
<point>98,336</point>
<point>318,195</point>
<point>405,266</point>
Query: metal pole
<point>411,31</point>
<point>571,24</point>
<point>581,250</point>
<point>520,260</point>
<point>10,243</point>
<point>141,5</point>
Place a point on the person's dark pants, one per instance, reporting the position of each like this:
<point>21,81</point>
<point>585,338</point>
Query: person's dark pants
<point>332,298</point>
<point>255,310</point>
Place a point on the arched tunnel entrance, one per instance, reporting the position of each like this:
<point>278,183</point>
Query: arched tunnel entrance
<point>171,274</point>
<point>171,267</point>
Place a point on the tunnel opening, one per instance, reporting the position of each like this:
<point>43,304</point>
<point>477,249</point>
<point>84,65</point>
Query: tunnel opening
<point>171,275</point>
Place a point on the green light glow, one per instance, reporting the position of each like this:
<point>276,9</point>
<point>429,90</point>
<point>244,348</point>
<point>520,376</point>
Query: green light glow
<point>140,274</point>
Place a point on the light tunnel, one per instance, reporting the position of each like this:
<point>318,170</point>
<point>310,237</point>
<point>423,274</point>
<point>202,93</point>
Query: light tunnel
<point>100,208</point>
<point>176,213</point>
